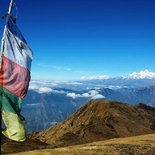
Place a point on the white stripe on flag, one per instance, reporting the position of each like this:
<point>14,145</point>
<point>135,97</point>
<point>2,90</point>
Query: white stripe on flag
<point>16,48</point>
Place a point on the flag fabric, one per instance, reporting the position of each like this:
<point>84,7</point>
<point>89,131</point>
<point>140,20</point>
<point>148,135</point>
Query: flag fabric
<point>16,59</point>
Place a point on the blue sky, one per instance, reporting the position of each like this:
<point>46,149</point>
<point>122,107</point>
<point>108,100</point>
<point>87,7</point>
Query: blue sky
<point>71,39</point>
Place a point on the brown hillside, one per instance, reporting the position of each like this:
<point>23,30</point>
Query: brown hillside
<point>100,120</point>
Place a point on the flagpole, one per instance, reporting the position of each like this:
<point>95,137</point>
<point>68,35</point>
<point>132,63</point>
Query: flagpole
<point>2,48</point>
<point>10,7</point>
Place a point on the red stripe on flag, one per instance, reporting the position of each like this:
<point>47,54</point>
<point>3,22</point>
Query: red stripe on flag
<point>14,77</point>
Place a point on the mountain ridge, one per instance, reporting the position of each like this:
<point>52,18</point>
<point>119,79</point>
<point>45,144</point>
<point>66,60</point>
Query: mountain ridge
<point>99,120</point>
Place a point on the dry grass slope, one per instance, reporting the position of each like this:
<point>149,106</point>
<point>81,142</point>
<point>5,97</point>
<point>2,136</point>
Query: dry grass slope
<point>138,145</point>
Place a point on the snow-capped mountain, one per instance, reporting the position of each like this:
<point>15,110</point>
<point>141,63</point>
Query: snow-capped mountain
<point>145,74</point>
<point>142,75</point>
<point>136,79</point>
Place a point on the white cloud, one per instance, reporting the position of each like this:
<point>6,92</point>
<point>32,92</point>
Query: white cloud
<point>100,77</point>
<point>98,96</point>
<point>59,91</point>
<point>73,95</point>
<point>44,87</point>
<point>34,84</point>
<point>93,94</point>
<point>75,83</point>
<point>86,95</point>
<point>142,75</point>
<point>71,83</point>
<point>42,90</point>
<point>45,90</point>
<point>115,87</point>
<point>33,87</point>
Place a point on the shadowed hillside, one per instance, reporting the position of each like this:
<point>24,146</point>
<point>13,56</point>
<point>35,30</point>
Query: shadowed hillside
<point>100,120</point>
<point>9,146</point>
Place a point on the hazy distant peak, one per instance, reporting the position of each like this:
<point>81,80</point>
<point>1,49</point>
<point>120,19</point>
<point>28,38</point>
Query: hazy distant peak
<point>142,75</point>
<point>100,77</point>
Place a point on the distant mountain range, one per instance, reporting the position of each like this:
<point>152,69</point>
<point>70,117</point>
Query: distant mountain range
<point>49,102</point>
<point>133,80</point>
<point>146,74</point>
<point>43,109</point>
